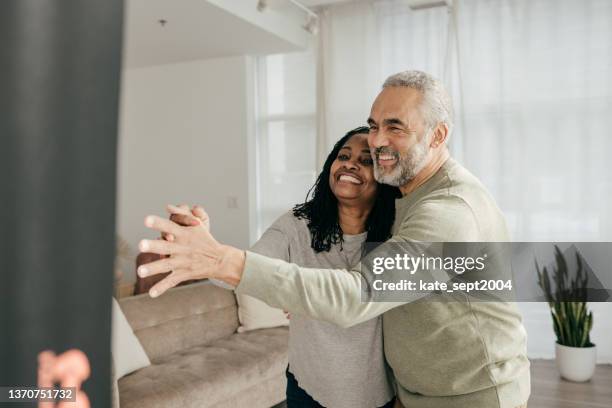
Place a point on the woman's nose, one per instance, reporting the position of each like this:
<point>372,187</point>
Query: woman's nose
<point>351,164</point>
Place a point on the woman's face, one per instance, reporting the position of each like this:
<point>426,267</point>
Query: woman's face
<point>351,177</point>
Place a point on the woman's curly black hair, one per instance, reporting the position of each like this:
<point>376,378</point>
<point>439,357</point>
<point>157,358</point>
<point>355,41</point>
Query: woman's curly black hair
<point>321,210</point>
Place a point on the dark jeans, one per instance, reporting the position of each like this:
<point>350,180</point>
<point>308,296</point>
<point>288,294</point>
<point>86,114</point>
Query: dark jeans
<point>298,398</point>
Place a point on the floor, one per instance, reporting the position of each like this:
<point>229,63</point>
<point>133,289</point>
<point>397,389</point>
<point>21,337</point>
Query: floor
<point>550,391</point>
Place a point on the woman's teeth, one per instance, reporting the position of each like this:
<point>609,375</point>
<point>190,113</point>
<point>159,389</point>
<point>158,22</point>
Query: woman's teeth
<point>350,179</point>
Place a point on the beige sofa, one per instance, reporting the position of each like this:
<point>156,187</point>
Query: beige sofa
<point>197,357</point>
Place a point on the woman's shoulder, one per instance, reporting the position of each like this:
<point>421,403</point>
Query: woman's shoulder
<point>289,223</point>
<point>285,233</point>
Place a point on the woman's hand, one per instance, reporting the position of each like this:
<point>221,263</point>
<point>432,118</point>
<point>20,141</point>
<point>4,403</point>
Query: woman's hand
<point>192,252</point>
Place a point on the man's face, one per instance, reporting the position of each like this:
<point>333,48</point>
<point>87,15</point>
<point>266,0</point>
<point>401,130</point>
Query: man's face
<point>399,140</point>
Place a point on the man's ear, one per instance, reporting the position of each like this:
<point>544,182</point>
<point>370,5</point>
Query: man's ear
<point>440,134</point>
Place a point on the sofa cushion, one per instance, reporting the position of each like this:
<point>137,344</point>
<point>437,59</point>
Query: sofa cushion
<point>208,375</point>
<point>181,318</point>
<point>255,314</point>
<point>128,355</point>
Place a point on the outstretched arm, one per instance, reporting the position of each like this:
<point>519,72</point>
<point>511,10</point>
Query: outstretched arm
<point>331,295</point>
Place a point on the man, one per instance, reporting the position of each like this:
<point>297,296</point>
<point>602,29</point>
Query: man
<point>442,354</point>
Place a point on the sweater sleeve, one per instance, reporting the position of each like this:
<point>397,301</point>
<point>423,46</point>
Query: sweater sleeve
<point>335,295</point>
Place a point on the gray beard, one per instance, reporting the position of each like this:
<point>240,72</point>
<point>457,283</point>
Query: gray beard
<point>406,168</point>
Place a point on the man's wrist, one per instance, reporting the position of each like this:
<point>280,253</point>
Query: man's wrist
<point>231,265</point>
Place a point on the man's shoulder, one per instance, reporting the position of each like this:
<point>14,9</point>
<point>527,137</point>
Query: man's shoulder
<point>457,180</point>
<point>452,181</point>
<point>459,186</point>
<point>440,217</point>
<point>459,205</point>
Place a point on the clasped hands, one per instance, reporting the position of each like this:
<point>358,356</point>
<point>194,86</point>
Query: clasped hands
<point>189,251</point>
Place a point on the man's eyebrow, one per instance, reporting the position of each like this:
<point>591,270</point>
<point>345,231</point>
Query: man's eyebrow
<point>371,121</point>
<point>393,121</point>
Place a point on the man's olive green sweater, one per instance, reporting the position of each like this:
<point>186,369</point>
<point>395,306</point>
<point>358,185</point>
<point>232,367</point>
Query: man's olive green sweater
<point>443,354</point>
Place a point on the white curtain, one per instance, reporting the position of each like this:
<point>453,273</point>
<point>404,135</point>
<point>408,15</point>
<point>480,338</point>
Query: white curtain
<point>532,85</point>
<point>360,44</point>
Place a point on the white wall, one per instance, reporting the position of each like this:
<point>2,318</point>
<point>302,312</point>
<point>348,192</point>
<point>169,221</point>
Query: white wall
<point>184,135</point>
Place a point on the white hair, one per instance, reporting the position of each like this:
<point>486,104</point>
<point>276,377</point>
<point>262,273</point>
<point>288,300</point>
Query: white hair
<point>437,105</point>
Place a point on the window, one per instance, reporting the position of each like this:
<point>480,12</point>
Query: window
<point>286,133</point>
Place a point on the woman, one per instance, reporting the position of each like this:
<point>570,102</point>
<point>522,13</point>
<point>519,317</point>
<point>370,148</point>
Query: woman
<point>330,366</point>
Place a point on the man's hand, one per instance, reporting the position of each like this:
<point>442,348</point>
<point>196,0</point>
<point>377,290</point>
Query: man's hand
<point>192,252</point>
<point>185,216</point>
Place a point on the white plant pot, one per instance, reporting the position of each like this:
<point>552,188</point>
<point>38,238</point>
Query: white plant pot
<point>576,363</point>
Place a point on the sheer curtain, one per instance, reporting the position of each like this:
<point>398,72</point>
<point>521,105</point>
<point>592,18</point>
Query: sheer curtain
<point>360,44</point>
<point>532,85</point>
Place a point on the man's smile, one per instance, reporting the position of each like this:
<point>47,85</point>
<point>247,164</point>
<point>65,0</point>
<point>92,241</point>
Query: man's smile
<point>386,159</point>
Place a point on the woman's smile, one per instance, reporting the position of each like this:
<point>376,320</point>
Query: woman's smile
<point>347,177</point>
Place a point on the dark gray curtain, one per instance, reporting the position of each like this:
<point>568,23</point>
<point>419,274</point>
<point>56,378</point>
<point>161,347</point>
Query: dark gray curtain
<point>60,64</point>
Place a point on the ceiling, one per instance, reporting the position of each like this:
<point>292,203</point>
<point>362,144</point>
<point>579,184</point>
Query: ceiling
<point>200,29</point>
<point>313,3</point>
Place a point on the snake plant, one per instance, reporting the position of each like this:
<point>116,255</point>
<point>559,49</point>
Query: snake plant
<point>571,319</point>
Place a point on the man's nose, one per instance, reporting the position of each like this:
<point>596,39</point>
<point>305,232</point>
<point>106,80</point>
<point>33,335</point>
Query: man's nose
<point>377,139</point>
